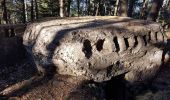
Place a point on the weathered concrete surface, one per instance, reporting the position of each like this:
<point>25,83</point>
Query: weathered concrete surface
<point>11,30</point>
<point>98,48</point>
<point>167,33</point>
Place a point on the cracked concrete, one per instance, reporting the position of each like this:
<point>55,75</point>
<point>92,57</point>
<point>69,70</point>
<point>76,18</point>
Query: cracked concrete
<point>98,48</point>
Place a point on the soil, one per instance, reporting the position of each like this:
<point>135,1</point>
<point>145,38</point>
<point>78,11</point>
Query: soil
<point>59,87</point>
<point>159,89</point>
<point>50,87</point>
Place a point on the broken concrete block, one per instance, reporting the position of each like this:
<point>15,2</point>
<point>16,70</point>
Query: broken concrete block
<point>97,47</point>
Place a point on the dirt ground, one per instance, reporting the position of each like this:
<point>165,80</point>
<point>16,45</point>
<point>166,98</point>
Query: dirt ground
<point>70,88</point>
<point>55,87</point>
<point>159,89</point>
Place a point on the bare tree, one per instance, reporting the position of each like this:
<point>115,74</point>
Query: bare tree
<point>61,9</point>
<point>25,16</point>
<point>4,11</point>
<point>116,8</point>
<point>144,9</point>
<point>68,7</point>
<point>88,7</point>
<point>131,7</point>
<point>36,9</point>
<point>1,13</point>
<point>97,8</point>
<point>32,10</point>
<point>78,7</point>
<point>153,14</point>
<point>123,6</point>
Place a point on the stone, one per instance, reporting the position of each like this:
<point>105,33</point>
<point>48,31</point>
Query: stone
<point>97,47</point>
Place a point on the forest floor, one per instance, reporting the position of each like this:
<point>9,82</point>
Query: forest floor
<point>159,89</point>
<point>56,87</point>
<point>49,88</point>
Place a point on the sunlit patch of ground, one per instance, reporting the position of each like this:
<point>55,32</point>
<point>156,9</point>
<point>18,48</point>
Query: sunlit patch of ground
<point>13,73</point>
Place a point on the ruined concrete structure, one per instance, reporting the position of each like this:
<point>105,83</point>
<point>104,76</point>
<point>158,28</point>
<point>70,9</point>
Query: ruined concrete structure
<point>11,50</point>
<point>11,47</point>
<point>11,30</point>
<point>98,48</point>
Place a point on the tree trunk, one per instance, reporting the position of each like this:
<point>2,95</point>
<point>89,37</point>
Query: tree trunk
<point>4,11</point>
<point>153,14</point>
<point>101,7</point>
<point>88,7</point>
<point>144,9</point>
<point>131,6</point>
<point>116,8</point>
<point>97,9</point>
<point>123,6</point>
<point>78,7</point>
<point>86,1</point>
<point>51,7</point>
<point>68,8</point>
<point>104,9</point>
<point>1,12</point>
<point>61,9</point>
<point>24,11</point>
<point>32,10</point>
<point>36,9</point>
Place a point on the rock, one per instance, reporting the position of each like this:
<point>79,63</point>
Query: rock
<point>97,48</point>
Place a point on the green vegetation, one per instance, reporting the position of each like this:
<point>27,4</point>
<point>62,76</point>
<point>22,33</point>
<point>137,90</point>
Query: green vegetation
<point>23,11</point>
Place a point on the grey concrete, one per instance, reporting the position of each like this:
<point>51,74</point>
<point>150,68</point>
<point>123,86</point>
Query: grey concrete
<point>97,48</point>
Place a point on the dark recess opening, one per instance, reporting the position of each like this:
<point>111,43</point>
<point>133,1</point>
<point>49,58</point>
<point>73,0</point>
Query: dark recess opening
<point>87,48</point>
<point>156,36</point>
<point>116,44</point>
<point>99,44</point>
<point>136,41</point>
<point>149,37</point>
<point>145,39</point>
<point>116,89</point>
<point>126,42</point>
